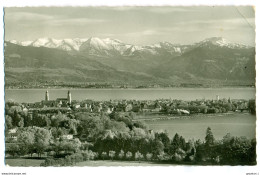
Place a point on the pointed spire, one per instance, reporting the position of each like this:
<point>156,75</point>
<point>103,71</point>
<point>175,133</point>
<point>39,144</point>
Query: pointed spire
<point>69,97</point>
<point>47,95</point>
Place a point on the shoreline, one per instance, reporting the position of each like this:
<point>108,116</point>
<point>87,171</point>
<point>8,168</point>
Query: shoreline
<point>133,88</point>
<point>200,115</point>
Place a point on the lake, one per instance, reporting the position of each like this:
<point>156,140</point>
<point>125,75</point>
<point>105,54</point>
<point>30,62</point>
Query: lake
<point>35,95</point>
<point>237,124</point>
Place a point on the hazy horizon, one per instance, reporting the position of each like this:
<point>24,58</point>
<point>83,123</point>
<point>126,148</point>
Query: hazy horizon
<point>132,25</point>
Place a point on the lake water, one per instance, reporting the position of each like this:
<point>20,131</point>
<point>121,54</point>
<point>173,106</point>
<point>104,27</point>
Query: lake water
<point>237,124</point>
<point>34,95</point>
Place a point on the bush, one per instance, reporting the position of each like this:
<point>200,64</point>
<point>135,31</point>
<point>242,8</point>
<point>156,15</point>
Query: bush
<point>149,156</point>
<point>121,155</point>
<point>129,155</point>
<point>138,156</point>
<point>179,155</point>
<point>104,155</point>
<point>112,154</point>
<point>163,156</point>
<point>67,161</point>
<point>12,149</point>
<point>88,155</point>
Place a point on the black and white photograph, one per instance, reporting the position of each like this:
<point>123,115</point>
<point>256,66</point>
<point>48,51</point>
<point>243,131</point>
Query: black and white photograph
<point>145,86</point>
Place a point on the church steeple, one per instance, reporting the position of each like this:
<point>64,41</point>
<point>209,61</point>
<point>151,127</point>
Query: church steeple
<point>47,96</point>
<point>69,97</point>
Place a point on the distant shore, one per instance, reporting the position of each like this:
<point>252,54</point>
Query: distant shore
<point>130,88</point>
<point>171,117</point>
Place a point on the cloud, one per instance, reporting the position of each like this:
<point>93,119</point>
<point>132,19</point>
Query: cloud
<point>75,21</point>
<point>152,9</point>
<point>31,19</point>
<point>210,21</point>
<point>168,9</point>
<point>144,33</point>
<point>227,24</point>
<point>26,16</point>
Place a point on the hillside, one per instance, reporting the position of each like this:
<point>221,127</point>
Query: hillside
<point>211,62</point>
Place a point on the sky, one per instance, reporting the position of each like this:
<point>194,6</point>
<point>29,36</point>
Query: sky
<point>133,25</point>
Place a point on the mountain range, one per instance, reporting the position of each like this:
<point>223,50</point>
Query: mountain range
<point>211,61</point>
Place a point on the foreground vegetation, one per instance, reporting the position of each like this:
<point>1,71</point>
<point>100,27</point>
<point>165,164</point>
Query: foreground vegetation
<point>20,161</point>
<point>66,139</point>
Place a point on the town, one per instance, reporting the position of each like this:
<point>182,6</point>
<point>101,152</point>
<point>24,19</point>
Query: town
<point>160,106</point>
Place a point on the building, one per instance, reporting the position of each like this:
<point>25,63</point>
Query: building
<point>59,102</point>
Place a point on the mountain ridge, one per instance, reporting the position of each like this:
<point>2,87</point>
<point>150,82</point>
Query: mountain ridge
<point>76,43</point>
<point>112,61</point>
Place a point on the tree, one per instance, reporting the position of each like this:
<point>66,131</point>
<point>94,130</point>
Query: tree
<point>12,149</point>
<point>69,146</point>
<point>28,120</point>
<point>190,150</point>
<point>112,154</point>
<point>26,138</point>
<point>177,142</point>
<point>179,155</point>
<point>236,150</point>
<point>163,156</point>
<point>129,155</point>
<point>252,106</point>
<point>200,150</point>
<point>92,126</point>
<point>16,119</point>
<point>149,156</point>
<point>252,152</point>
<point>76,144</point>
<point>42,140</point>
<point>140,124</point>
<point>88,155</point>
<point>116,126</point>
<point>121,154</point>
<point>209,139</point>
<point>8,122</point>
<point>228,106</point>
<point>138,156</point>
<point>182,143</point>
<point>163,137</point>
<point>21,122</point>
<point>72,125</point>
<point>156,147</point>
<point>56,121</point>
<point>138,133</point>
<point>104,155</point>
<point>57,132</point>
<point>209,143</point>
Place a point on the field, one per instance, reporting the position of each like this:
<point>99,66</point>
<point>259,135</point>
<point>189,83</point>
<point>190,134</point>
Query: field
<point>23,162</point>
<point>117,163</point>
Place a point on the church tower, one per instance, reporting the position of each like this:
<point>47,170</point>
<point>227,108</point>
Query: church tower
<point>69,97</point>
<point>47,96</point>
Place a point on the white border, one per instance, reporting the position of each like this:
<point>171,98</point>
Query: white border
<point>123,170</point>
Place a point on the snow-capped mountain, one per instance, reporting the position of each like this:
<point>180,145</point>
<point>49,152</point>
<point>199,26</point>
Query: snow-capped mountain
<point>222,42</point>
<point>112,47</point>
<point>104,47</point>
<point>21,43</point>
<point>65,44</point>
